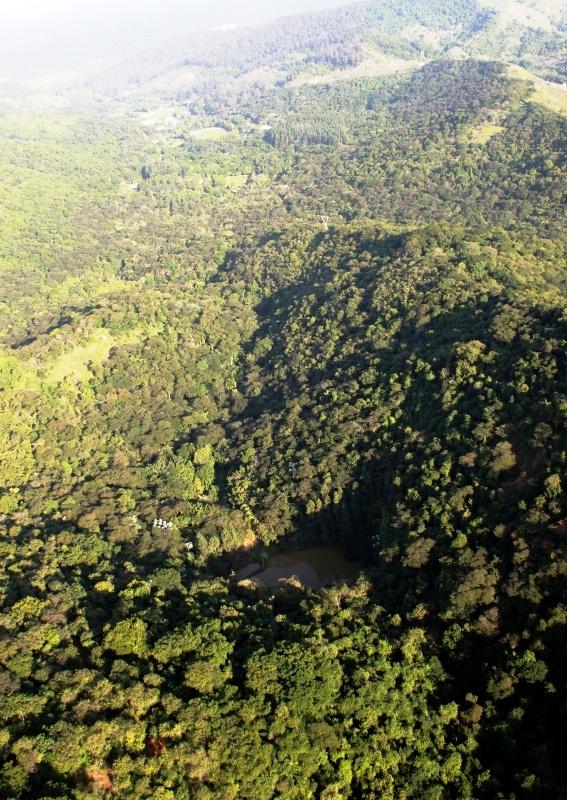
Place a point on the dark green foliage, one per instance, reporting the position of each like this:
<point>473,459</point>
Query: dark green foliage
<point>219,337</point>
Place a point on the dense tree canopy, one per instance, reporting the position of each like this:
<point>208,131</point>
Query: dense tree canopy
<point>263,298</point>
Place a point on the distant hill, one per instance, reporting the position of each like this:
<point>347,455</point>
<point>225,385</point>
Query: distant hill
<point>364,35</point>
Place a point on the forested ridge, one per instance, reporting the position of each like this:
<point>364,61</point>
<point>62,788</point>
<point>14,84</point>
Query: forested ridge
<point>256,296</point>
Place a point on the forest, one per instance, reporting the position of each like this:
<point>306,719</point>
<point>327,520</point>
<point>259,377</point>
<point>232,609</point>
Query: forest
<point>264,290</point>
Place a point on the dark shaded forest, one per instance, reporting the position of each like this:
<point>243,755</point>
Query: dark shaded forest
<point>242,314</point>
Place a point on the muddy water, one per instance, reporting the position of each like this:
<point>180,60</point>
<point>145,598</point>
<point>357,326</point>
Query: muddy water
<point>312,568</point>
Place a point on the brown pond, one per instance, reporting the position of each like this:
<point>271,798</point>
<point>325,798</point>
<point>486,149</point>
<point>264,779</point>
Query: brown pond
<point>312,568</point>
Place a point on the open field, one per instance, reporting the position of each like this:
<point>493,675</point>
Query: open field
<point>373,66</point>
<point>483,133</point>
<point>545,93</point>
<point>209,134</point>
<point>74,364</point>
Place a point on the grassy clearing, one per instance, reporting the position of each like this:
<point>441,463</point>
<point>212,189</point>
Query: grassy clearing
<point>163,117</point>
<point>544,93</point>
<point>483,133</point>
<point>234,181</point>
<point>73,364</point>
<point>207,134</point>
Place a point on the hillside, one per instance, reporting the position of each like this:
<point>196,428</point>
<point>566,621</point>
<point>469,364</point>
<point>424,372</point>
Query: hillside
<point>364,38</point>
<point>268,289</point>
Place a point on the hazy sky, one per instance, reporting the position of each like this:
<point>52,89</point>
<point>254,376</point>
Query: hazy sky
<point>39,37</point>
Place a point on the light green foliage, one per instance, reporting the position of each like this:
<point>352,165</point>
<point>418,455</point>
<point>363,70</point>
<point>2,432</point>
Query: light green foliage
<point>16,454</point>
<point>210,134</point>
<point>127,637</point>
<point>483,133</point>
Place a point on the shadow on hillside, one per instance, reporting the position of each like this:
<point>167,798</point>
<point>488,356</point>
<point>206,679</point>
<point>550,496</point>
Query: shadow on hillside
<point>450,311</point>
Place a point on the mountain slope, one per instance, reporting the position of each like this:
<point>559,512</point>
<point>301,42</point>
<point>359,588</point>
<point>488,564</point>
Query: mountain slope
<point>325,45</point>
<point>242,314</point>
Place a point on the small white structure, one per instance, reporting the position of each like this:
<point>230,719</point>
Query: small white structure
<point>162,523</point>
